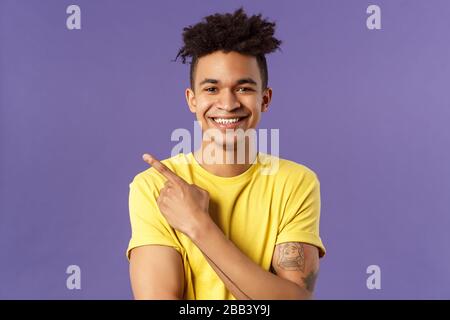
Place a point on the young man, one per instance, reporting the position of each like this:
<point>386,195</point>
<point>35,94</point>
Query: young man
<point>225,229</point>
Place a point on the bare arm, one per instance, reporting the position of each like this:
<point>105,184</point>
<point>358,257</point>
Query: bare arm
<point>156,273</point>
<point>252,280</point>
<point>297,262</point>
<point>235,291</point>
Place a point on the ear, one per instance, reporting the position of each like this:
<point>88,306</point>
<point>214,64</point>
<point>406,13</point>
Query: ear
<point>190,99</point>
<point>267,97</point>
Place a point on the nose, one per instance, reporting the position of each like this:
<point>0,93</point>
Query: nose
<point>228,101</point>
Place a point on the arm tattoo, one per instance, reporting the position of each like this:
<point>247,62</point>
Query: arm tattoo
<point>291,256</point>
<point>310,281</point>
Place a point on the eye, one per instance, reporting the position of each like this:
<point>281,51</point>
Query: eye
<point>210,89</point>
<point>245,89</point>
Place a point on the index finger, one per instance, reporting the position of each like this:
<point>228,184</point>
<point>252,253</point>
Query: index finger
<point>161,168</point>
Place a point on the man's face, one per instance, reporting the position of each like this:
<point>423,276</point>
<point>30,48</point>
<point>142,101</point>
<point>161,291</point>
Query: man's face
<point>228,93</point>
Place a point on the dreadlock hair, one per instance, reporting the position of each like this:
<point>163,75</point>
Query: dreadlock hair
<point>230,32</point>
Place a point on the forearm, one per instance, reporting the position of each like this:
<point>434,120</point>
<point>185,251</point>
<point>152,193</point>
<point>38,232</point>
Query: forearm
<point>247,276</point>
<point>235,291</point>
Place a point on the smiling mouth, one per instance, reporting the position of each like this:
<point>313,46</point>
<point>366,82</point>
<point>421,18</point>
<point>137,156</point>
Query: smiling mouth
<point>228,122</point>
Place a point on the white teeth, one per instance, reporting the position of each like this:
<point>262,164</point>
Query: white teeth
<point>226,121</point>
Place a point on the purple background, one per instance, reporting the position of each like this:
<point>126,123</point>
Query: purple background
<point>367,110</point>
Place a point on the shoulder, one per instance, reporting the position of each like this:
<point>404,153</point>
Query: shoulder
<point>289,171</point>
<point>151,177</point>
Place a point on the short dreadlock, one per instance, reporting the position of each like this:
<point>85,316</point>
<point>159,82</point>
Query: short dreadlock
<point>230,32</point>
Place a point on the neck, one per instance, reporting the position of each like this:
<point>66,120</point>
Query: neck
<point>224,167</point>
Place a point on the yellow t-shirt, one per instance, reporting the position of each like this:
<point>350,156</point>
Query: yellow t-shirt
<point>256,210</point>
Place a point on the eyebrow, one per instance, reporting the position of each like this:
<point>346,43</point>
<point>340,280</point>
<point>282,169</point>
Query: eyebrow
<point>240,81</point>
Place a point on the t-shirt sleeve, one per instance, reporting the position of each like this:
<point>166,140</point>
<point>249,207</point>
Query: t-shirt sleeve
<point>148,225</point>
<point>302,215</point>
